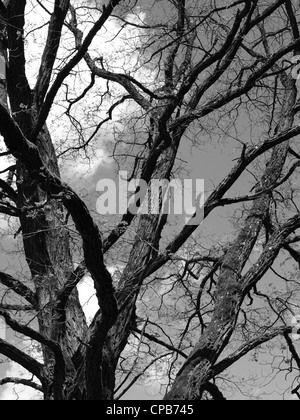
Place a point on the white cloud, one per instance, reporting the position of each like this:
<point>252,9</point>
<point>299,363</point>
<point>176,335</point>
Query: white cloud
<point>87,297</point>
<point>18,392</point>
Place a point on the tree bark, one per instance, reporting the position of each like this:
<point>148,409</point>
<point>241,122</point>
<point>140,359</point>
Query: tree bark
<point>45,237</point>
<point>195,373</point>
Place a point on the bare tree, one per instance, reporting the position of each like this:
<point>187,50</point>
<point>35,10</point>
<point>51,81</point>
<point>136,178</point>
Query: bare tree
<point>189,72</point>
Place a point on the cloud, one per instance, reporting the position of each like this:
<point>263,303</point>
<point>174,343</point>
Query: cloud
<point>87,295</point>
<point>87,298</point>
<point>18,392</point>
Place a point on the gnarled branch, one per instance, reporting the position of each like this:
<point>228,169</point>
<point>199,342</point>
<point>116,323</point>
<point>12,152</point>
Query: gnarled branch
<point>18,356</point>
<point>21,381</point>
<point>19,288</point>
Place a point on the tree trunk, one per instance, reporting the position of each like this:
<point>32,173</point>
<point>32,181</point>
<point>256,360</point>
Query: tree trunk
<point>195,373</point>
<point>45,237</point>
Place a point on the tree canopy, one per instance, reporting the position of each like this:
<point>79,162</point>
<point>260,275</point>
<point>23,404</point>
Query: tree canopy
<point>171,90</point>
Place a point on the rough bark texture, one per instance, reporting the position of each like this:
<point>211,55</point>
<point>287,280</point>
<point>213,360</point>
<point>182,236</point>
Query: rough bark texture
<point>230,292</point>
<point>80,361</point>
<point>45,238</point>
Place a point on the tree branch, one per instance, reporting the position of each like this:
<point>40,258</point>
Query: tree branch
<point>29,332</point>
<point>293,253</point>
<point>124,80</point>
<point>160,342</point>
<point>65,292</point>
<point>226,53</point>
<point>8,209</point>
<point>3,10</point>
<point>215,197</point>
<point>270,252</point>
<point>292,349</point>
<point>59,368</point>
<point>6,307</point>
<point>293,22</point>
<point>19,288</point>
<point>246,348</point>
<point>28,362</point>
<point>44,112</point>
<point>29,155</point>
<point>50,51</point>
<point>9,191</point>
<point>217,102</point>
<point>20,381</point>
<point>18,85</point>
<point>226,201</point>
<point>214,391</point>
<point>139,375</point>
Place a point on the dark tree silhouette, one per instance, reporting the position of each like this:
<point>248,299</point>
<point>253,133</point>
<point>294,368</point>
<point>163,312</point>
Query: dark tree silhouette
<point>192,72</point>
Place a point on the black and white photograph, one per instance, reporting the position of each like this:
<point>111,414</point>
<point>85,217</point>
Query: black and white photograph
<point>150,203</point>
